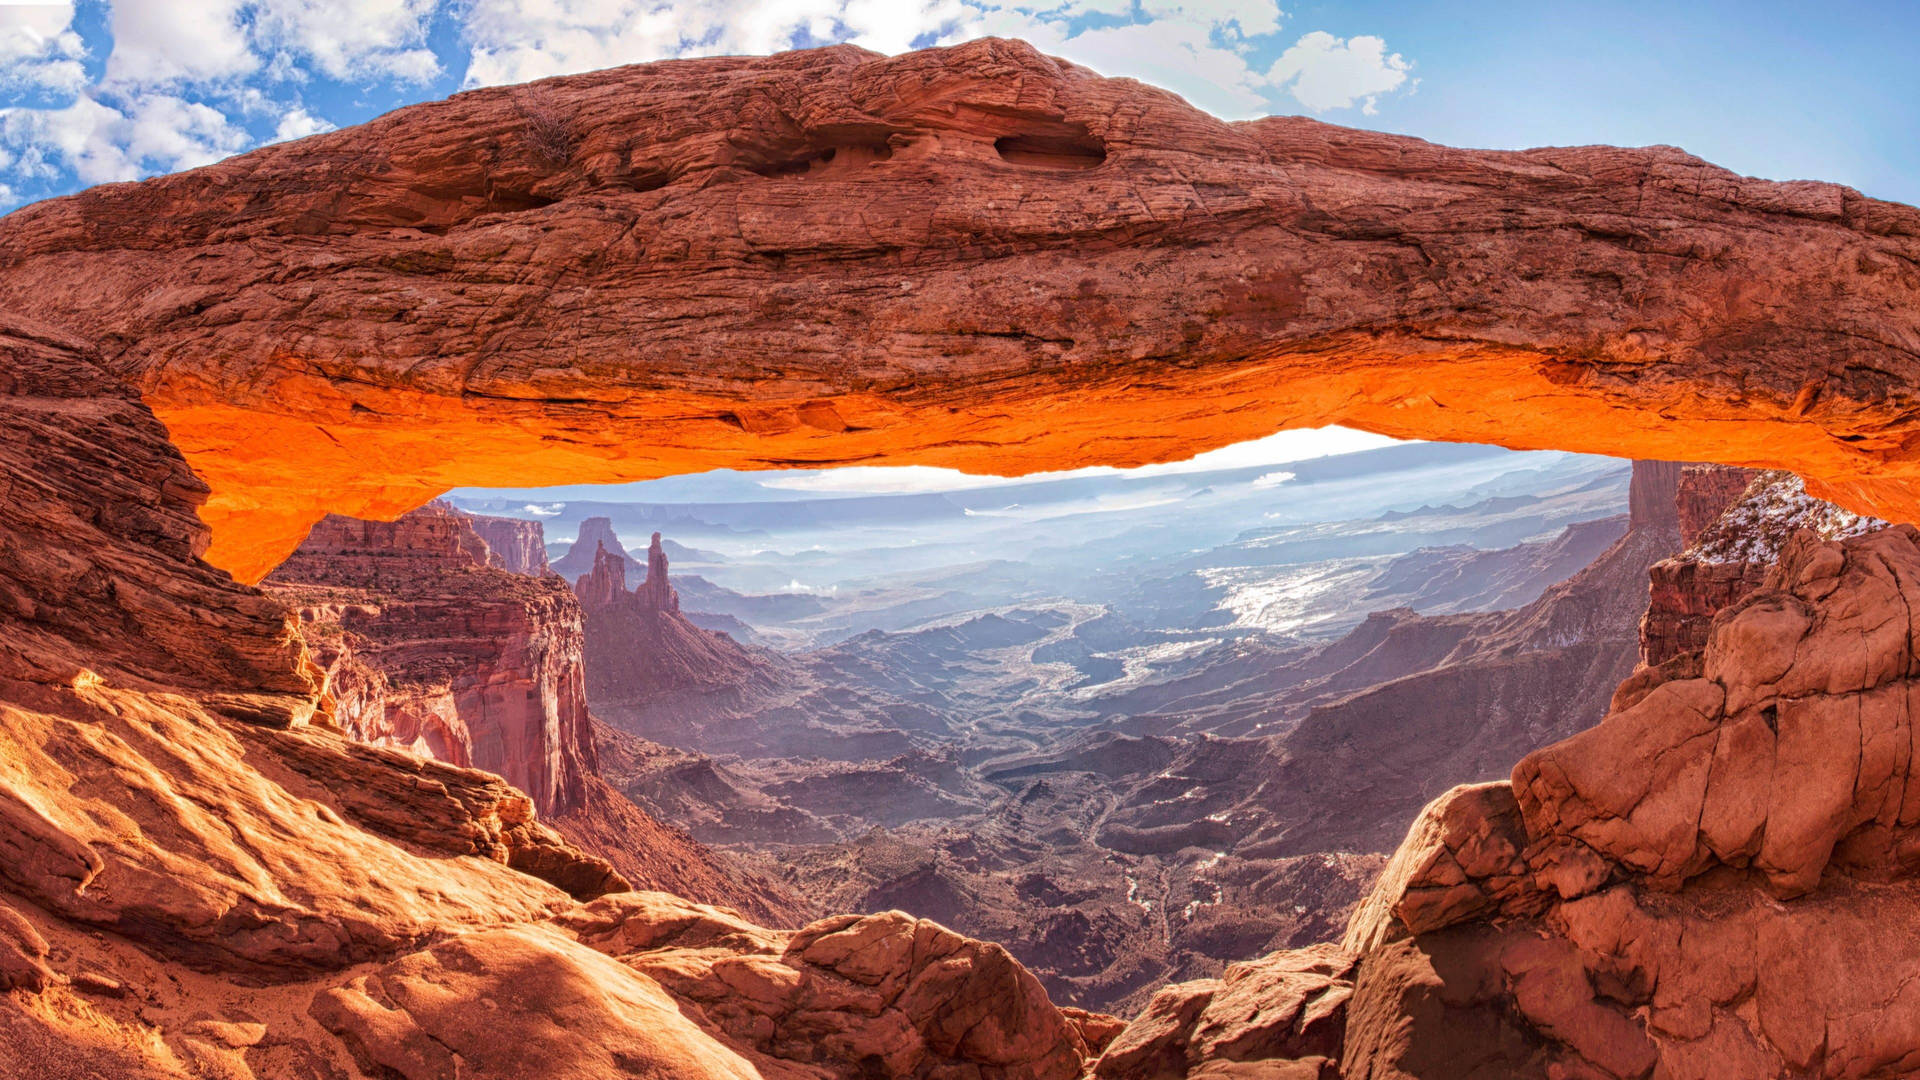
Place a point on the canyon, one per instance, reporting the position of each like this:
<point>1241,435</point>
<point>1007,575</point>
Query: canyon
<point>1234,800</point>
<point>234,847</point>
<point>424,642</point>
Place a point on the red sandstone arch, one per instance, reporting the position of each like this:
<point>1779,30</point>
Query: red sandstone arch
<point>976,257</point>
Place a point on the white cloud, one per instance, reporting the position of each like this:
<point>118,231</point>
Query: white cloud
<point>222,41</point>
<point>298,123</point>
<point>155,43</point>
<point>513,41</point>
<point>101,143</point>
<point>1325,72</point>
<point>348,39</point>
<point>1277,449</point>
<point>1194,47</point>
<point>39,48</point>
<point>1175,55</point>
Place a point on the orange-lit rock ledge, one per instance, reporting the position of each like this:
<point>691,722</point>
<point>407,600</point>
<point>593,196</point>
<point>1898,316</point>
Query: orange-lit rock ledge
<point>976,257</point>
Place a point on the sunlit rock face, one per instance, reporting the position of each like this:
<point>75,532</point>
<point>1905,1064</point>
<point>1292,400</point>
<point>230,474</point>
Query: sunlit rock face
<point>1718,880</point>
<point>977,257</point>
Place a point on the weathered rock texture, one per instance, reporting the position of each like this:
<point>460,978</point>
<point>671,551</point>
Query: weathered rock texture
<point>976,257</point>
<point>1718,880</point>
<point>1285,1011</point>
<point>513,543</point>
<point>429,646</point>
<point>1740,521</point>
<point>203,876</point>
<point>99,539</point>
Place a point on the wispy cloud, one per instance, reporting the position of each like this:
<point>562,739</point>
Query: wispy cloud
<point>1277,449</point>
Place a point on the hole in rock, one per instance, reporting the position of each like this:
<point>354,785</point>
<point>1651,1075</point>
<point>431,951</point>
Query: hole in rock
<point>837,158</point>
<point>514,202</point>
<point>1070,150</point>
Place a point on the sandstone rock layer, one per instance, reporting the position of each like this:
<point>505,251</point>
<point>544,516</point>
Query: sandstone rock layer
<point>976,257</point>
<point>1715,881</point>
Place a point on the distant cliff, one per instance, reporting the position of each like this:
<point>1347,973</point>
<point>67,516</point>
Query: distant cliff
<point>513,543</point>
<point>428,646</point>
<point>596,534</point>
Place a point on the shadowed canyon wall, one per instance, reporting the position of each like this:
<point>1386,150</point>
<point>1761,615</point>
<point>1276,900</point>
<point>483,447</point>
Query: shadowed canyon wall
<point>832,257</point>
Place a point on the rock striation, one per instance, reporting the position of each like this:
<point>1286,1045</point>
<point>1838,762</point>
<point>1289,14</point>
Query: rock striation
<point>513,543</point>
<point>429,646</point>
<point>978,257</point>
<point>100,541</point>
<point>1685,889</point>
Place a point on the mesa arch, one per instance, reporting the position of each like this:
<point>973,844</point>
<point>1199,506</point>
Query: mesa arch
<point>976,257</point>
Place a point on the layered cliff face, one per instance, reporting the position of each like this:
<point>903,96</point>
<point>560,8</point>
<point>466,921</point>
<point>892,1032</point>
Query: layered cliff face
<point>1739,522</point>
<point>427,645</point>
<point>512,543</point>
<point>1717,880</point>
<point>100,543</point>
<point>430,647</point>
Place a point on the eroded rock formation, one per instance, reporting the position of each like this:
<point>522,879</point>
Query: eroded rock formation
<point>513,543</point>
<point>1685,889</point>
<point>639,645</point>
<point>1740,521</point>
<point>429,646</point>
<point>976,257</point>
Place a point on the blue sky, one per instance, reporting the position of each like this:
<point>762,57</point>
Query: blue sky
<point>94,91</point>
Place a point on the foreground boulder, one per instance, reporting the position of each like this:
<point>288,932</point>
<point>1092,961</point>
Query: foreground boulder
<point>651,985</point>
<point>1718,880</point>
<point>1281,1016</point>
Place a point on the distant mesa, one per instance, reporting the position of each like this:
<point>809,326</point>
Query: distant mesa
<point>596,533</point>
